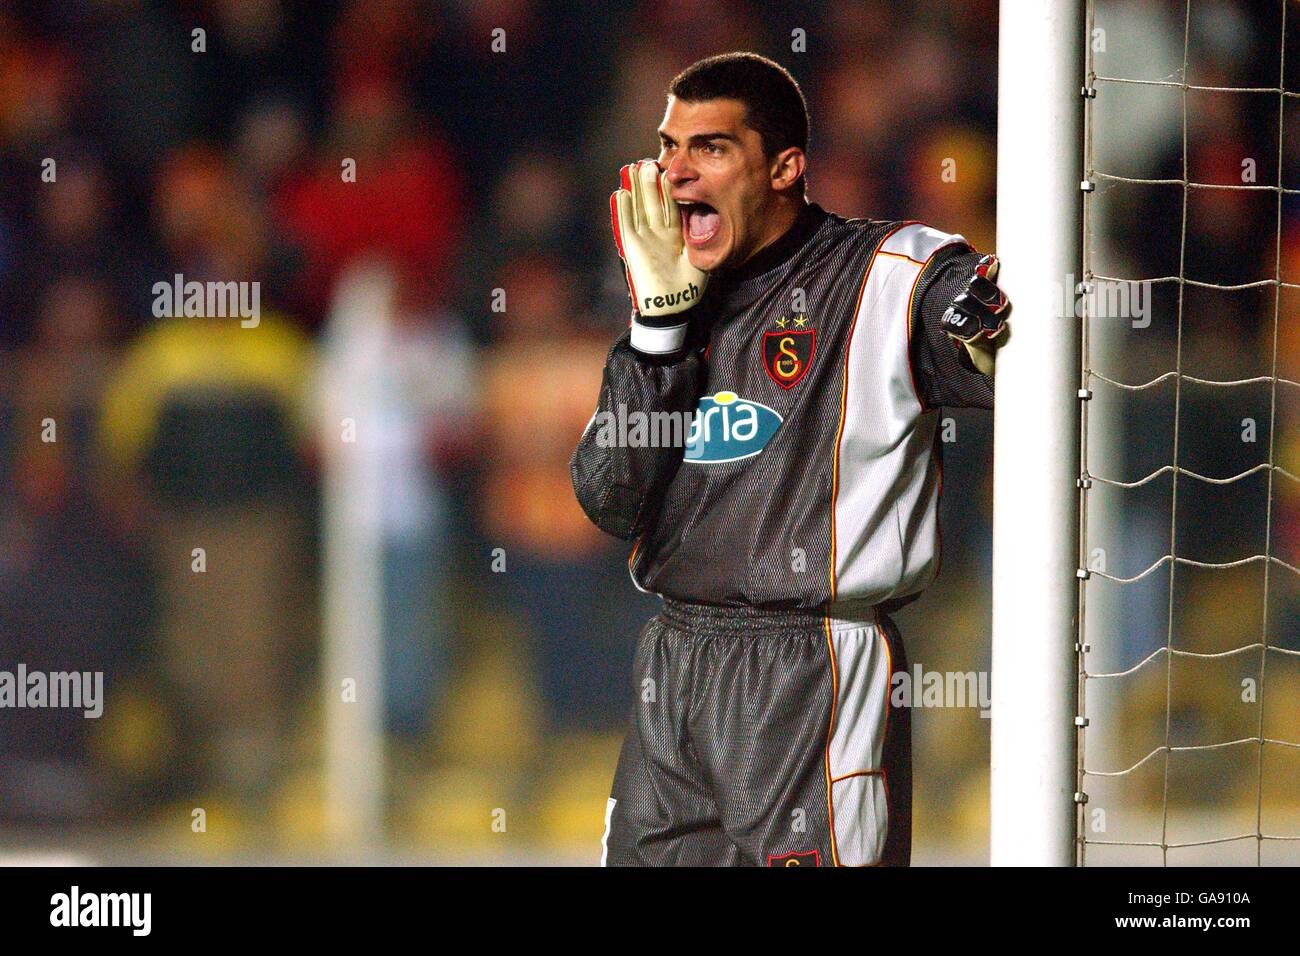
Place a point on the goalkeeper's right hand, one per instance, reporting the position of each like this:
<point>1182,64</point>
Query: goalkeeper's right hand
<point>660,278</point>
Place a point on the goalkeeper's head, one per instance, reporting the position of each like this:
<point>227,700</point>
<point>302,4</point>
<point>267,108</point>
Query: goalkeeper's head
<point>733,140</point>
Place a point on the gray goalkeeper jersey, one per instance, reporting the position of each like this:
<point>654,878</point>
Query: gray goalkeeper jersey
<point>810,472</point>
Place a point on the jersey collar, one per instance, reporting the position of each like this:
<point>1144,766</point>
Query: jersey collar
<point>791,241</point>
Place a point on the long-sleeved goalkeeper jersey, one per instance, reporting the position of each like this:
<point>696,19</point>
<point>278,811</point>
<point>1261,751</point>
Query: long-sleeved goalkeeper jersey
<point>813,377</point>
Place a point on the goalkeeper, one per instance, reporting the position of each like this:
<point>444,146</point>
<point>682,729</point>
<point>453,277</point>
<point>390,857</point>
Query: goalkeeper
<point>810,355</point>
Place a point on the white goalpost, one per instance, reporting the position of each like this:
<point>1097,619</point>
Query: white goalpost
<point>1105,684</point>
<point>1035,525</point>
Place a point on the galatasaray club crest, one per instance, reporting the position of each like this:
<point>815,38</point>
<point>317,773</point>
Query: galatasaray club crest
<point>787,353</point>
<point>810,858</point>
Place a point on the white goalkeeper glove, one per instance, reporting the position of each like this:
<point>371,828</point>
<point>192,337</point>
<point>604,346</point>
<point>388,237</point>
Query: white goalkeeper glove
<point>660,278</point>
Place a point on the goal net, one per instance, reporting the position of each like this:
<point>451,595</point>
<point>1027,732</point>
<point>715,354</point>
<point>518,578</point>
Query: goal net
<point>1189,397</point>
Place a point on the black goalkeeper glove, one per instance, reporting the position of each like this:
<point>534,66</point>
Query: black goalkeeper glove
<point>978,315</point>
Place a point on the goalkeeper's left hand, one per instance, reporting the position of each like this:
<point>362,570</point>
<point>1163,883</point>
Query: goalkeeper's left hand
<point>978,315</point>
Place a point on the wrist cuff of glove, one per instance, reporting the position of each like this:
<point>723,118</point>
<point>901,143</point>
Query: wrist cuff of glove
<point>658,339</point>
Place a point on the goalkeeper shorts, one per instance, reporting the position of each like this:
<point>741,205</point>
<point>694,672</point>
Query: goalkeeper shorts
<point>763,738</point>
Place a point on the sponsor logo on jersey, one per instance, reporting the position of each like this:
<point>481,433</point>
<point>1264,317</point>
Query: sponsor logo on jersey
<point>809,858</point>
<point>726,427</point>
<point>787,353</point>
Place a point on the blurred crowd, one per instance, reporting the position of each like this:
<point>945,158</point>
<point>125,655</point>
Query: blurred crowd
<point>170,534</point>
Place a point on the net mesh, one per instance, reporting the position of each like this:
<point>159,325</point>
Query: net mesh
<point>1204,765</point>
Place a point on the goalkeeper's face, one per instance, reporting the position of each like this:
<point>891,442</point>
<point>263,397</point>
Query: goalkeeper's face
<point>726,187</point>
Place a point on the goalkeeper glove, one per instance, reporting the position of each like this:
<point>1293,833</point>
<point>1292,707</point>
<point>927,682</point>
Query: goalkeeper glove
<point>660,278</point>
<point>977,317</point>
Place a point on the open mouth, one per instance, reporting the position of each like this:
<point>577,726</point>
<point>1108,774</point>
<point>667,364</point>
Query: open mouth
<point>700,222</point>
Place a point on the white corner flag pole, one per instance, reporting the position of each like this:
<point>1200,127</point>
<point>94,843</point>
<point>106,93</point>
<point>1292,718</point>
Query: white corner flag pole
<point>1036,438</point>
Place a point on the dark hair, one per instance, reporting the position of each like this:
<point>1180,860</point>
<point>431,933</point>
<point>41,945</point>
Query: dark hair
<point>774,104</point>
